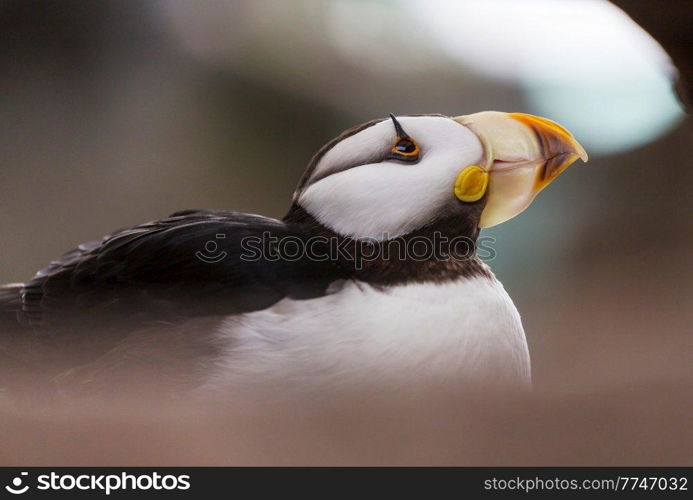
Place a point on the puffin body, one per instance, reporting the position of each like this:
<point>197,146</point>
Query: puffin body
<point>371,279</point>
<point>465,332</point>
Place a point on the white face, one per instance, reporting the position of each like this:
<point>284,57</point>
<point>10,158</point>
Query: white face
<point>357,191</point>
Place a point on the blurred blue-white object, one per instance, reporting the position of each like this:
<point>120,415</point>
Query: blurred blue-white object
<point>583,62</point>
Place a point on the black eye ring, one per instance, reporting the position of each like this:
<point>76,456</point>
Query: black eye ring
<point>405,148</point>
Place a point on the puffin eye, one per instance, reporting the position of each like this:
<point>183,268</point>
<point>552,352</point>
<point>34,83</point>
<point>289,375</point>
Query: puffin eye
<point>405,146</point>
<point>405,149</point>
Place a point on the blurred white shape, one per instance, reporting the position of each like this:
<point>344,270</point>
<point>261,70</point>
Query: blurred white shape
<point>583,62</point>
<point>552,40</point>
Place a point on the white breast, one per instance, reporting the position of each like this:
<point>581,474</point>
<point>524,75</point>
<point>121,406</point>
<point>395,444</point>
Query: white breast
<point>465,332</point>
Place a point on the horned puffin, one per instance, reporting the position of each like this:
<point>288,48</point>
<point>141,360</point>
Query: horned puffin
<point>370,278</point>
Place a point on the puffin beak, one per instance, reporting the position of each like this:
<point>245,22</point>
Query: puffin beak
<point>523,155</point>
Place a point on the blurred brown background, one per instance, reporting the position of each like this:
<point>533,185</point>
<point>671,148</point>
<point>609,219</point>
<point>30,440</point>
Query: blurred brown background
<point>118,112</point>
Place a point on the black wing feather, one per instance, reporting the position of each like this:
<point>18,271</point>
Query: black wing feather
<point>153,272</point>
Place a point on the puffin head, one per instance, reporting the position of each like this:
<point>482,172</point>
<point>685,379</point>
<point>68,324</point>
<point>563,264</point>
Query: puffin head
<point>390,177</point>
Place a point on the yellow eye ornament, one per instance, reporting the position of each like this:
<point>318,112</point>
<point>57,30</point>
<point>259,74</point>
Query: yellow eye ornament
<point>471,184</point>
